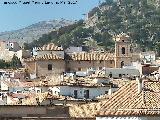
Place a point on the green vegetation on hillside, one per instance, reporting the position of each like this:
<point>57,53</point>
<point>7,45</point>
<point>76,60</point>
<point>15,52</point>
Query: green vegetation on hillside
<point>140,19</point>
<point>14,63</point>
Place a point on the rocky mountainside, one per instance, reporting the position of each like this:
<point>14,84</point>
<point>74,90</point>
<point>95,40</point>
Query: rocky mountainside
<point>140,19</point>
<point>34,31</point>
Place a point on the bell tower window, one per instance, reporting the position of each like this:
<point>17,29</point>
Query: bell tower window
<point>123,50</point>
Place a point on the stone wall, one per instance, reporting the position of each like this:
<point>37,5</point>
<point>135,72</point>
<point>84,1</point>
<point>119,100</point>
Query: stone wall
<point>84,65</point>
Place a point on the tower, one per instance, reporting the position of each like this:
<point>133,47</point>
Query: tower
<point>122,50</point>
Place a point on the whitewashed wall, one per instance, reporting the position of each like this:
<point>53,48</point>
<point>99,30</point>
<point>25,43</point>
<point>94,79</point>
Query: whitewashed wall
<point>101,80</point>
<point>69,91</point>
<point>4,86</point>
<point>116,71</point>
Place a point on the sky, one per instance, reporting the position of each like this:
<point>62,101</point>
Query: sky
<point>17,16</point>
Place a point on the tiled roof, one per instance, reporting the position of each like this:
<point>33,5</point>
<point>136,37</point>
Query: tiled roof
<point>31,100</point>
<point>23,84</point>
<point>125,101</point>
<point>50,47</point>
<point>45,57</point>
<point>59,97</point>
<point>91,56</point>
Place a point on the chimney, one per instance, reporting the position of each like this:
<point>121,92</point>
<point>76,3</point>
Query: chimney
<point>140,84</point>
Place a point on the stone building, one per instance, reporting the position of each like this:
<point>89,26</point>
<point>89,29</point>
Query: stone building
<point>122,51</point>
<point>82,61</point>
<point>45,65</point>
<point>9,49</point>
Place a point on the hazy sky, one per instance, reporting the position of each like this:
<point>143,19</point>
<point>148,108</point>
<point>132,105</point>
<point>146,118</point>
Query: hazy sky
<point>17,16</point>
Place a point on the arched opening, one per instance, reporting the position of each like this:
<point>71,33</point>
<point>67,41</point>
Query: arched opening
<point>122,64</point>
<point>123,50</point>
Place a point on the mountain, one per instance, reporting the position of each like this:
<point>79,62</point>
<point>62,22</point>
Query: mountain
<point>140,19</point>
<point>34,31</point>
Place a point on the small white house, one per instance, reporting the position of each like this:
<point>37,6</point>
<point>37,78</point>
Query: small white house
<point>120,72</point>
<point>79,91</point>
<point>4,86</point>
<point>149,56</point>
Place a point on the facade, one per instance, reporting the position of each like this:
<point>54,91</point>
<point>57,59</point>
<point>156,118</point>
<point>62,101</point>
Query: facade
<point>83,61</point>
<point>122,72</point>
<point>84,88</point>
<point>45,65</point>
<point>122,51</point>
<point>9,49</point>
<point>8,45</point>
<point>149,56</point>
<point>81,92</point>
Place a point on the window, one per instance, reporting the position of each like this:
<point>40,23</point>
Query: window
<point>38,91</point>
<point>122,64</point>
<point>19,91</point>
<point>120,75</point>
<point>106,92</point>
<point>100,68</point>
<point>75,94</point>
<point>123,50</point>
<point>79,69</point>
<point>86,94</point>
<point>100,61</point>
<point>131,50</point>
<point>49,66</point>
<point>111,61</point>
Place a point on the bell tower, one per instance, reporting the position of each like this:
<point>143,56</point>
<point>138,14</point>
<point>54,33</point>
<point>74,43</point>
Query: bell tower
<point>122,50</point>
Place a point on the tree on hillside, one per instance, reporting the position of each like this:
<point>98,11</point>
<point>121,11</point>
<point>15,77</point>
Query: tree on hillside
<point>15,62</point>
<point>2,64</point>
<point>93,45</point>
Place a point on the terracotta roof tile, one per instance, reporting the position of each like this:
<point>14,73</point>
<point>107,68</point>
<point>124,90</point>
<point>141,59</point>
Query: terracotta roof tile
<point>125,101</point>
<point>91,56</point>
<point>44,57</point>
<point>50,47</point>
